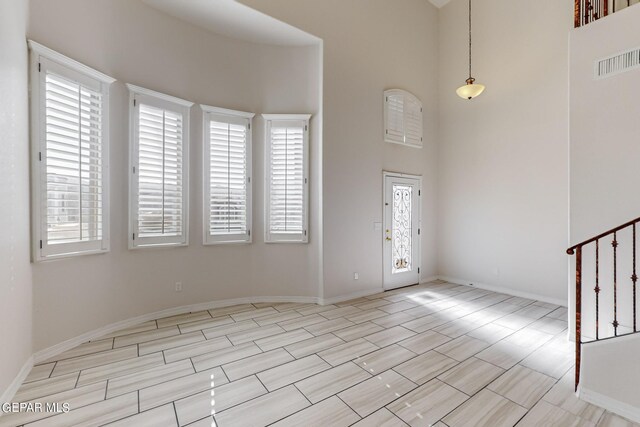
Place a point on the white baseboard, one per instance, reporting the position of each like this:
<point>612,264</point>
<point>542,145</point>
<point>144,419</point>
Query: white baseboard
<point>11,391</point>
<point>56,349</point>
<point>365,293</point>
<point>504,290</point>
<point>623,409</point>
<point>347,297</point>
<point>48,353</point>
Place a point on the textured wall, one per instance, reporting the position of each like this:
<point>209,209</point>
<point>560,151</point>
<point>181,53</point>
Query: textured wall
<point>15,272</point>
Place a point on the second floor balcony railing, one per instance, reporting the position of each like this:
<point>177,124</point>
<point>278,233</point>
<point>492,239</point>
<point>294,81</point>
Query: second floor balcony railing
<point>586,11</point>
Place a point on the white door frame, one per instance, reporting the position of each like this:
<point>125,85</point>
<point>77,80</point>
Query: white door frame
<point>417,244</point>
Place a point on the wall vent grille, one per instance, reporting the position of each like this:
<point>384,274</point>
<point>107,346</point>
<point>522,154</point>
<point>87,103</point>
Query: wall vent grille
<point>618,63</point>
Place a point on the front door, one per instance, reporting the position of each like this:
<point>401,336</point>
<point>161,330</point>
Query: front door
<point>401,230</point>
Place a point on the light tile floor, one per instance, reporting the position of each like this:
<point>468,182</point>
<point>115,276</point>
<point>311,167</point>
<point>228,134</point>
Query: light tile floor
<point>434,354</point>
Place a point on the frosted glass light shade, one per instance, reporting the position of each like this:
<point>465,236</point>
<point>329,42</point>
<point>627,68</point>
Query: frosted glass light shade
<point>470,90</point>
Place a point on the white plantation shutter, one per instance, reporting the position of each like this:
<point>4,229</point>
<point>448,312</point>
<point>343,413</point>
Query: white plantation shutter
<point>227,176</point>
<point>394,118</point>
<point>70,121</point>
<point>403,122</point>
<point>159,169</point>
<point>287,178</point>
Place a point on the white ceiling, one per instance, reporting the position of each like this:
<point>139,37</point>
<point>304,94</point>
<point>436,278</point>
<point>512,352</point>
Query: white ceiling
<point>439,3</point>
<point>232,19</point>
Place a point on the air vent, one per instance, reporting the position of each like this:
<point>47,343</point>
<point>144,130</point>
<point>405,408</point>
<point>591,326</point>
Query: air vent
<point>617,64</point>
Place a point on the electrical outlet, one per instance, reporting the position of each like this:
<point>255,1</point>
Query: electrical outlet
<point>355,276</point>
<point>178,286</point>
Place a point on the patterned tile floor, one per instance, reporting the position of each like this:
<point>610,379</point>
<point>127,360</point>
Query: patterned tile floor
<point>434,354</point>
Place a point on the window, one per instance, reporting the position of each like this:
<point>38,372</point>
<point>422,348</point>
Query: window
<point>286,178</point>
<point>227,172</point>
<point>70,124</point>
<point>402,118</point>
<point>159,169</point>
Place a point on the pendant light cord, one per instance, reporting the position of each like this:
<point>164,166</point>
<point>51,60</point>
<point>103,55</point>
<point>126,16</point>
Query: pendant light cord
<point>470,39</point>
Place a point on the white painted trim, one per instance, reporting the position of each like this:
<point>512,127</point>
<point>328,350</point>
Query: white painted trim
<point>160,95</point>
<point>429,279</point>
<point>621,408</point>
<point>68,62</point>
<point>226,111</point>
<point>406,96</point>
<point>288,120</point>
<point>138,96</point>
<point>504,290</point>
<point>319,125</point>
<point>360,294</point>
<point>40,62</point>
<point>239,118</point>
<point>11,391</point>
<point>47,353</point>
<point>347,297</point>
<point>287,116</point>
<point>386,253</point>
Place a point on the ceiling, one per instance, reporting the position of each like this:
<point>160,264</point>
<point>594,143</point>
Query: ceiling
<point>235,20</point>
<point>439,3</point>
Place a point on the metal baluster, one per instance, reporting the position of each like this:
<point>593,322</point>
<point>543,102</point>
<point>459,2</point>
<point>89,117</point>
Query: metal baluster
<point>634,279</point>
<point>615,284</point>
<point>578,311</point>
<point>587,9</point>
<point>597,288</point>
<point>576,13</point>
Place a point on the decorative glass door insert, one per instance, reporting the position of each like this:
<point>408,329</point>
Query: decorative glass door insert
<point>401,229</point>
<point>401,247</point>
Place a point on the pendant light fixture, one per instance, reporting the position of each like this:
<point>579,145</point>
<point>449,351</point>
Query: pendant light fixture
<point>471,89</point>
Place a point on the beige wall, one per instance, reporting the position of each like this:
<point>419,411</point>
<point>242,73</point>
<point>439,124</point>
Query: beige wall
<point>502,158</point>
<point>610,376</point>
<point>604,128</point>
<point>15,273</point>
<point>137,44</point>
<point>604,160</point>
<point>369,46</point>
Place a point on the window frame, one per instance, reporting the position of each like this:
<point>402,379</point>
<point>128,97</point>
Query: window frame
<point>224,115</point>
<point>294,120</point>
<point>137,96</point>
<point>42,59</point>
<point>404,137</point>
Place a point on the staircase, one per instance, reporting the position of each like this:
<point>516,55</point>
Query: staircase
<point>605,263</point>
<point>586,11</point>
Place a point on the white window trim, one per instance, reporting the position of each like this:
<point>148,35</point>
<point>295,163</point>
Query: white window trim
<point>406,96</point>
<point>40,250</point>
<point>286,237</point>
<point>231,116</point>
<point>139,95</point>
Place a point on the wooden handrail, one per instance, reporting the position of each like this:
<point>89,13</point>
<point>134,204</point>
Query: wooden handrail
<point>571,250</point>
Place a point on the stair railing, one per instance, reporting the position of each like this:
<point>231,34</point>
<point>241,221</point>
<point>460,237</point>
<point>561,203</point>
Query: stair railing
<point>586,11</point>
<point>578,251</point>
